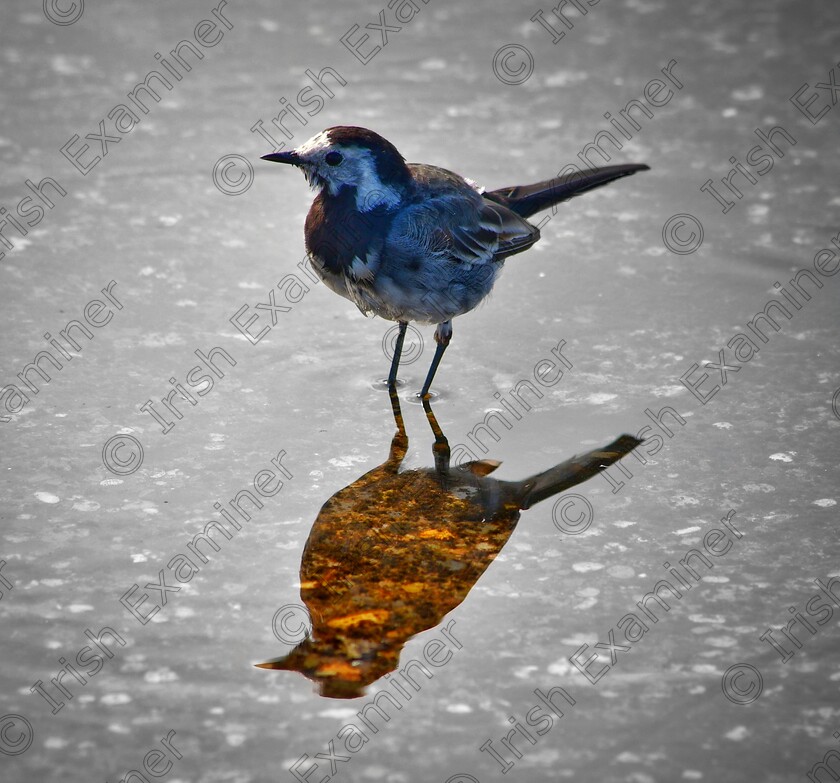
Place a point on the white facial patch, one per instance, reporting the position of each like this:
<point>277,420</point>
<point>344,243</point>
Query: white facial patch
<point>320,141</point>
<point>356,170</point>
<point>370,191</point>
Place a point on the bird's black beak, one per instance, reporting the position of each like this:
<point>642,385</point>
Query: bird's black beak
<point>284,157</point>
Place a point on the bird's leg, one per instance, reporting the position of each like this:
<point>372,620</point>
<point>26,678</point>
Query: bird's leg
<point>399,443</point>
<point>395,362</point>
<point>443,334</point>
<point>440,450</point>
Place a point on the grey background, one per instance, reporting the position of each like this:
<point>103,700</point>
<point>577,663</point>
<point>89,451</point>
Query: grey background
<point>636,316</point>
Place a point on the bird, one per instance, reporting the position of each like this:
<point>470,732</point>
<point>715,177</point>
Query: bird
<point>395,551</point>
<point>413,242</point>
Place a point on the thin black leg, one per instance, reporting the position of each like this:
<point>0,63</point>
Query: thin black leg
<point>443,334</point>
<point>395,362</point>
<point>441,347</point>
<point>399,443</point>
<point>440,450</point>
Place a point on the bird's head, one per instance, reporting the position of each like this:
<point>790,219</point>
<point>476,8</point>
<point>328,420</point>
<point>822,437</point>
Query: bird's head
<point>349,157</point>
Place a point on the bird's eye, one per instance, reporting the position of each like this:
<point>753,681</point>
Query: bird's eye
<point>333,158</point>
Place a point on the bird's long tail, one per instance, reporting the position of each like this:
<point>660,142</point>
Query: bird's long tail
<point>526,200</point>
<point>571,472</point>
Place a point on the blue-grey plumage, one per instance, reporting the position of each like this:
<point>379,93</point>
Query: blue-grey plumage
<point>414,242</point>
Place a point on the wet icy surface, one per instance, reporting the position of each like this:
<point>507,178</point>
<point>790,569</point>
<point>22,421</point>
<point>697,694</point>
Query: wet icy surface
<point>634,316</point>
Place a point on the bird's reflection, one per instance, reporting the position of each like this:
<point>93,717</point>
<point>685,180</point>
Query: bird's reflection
<point>391,554</point>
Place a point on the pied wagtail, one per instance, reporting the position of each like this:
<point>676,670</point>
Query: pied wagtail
<point>413,242</point>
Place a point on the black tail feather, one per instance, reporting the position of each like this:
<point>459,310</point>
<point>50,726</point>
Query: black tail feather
<point>527,200</point>
<point>571,472</point>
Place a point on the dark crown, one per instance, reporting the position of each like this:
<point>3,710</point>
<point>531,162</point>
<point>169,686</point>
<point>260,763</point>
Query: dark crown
<point>390,165</point>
